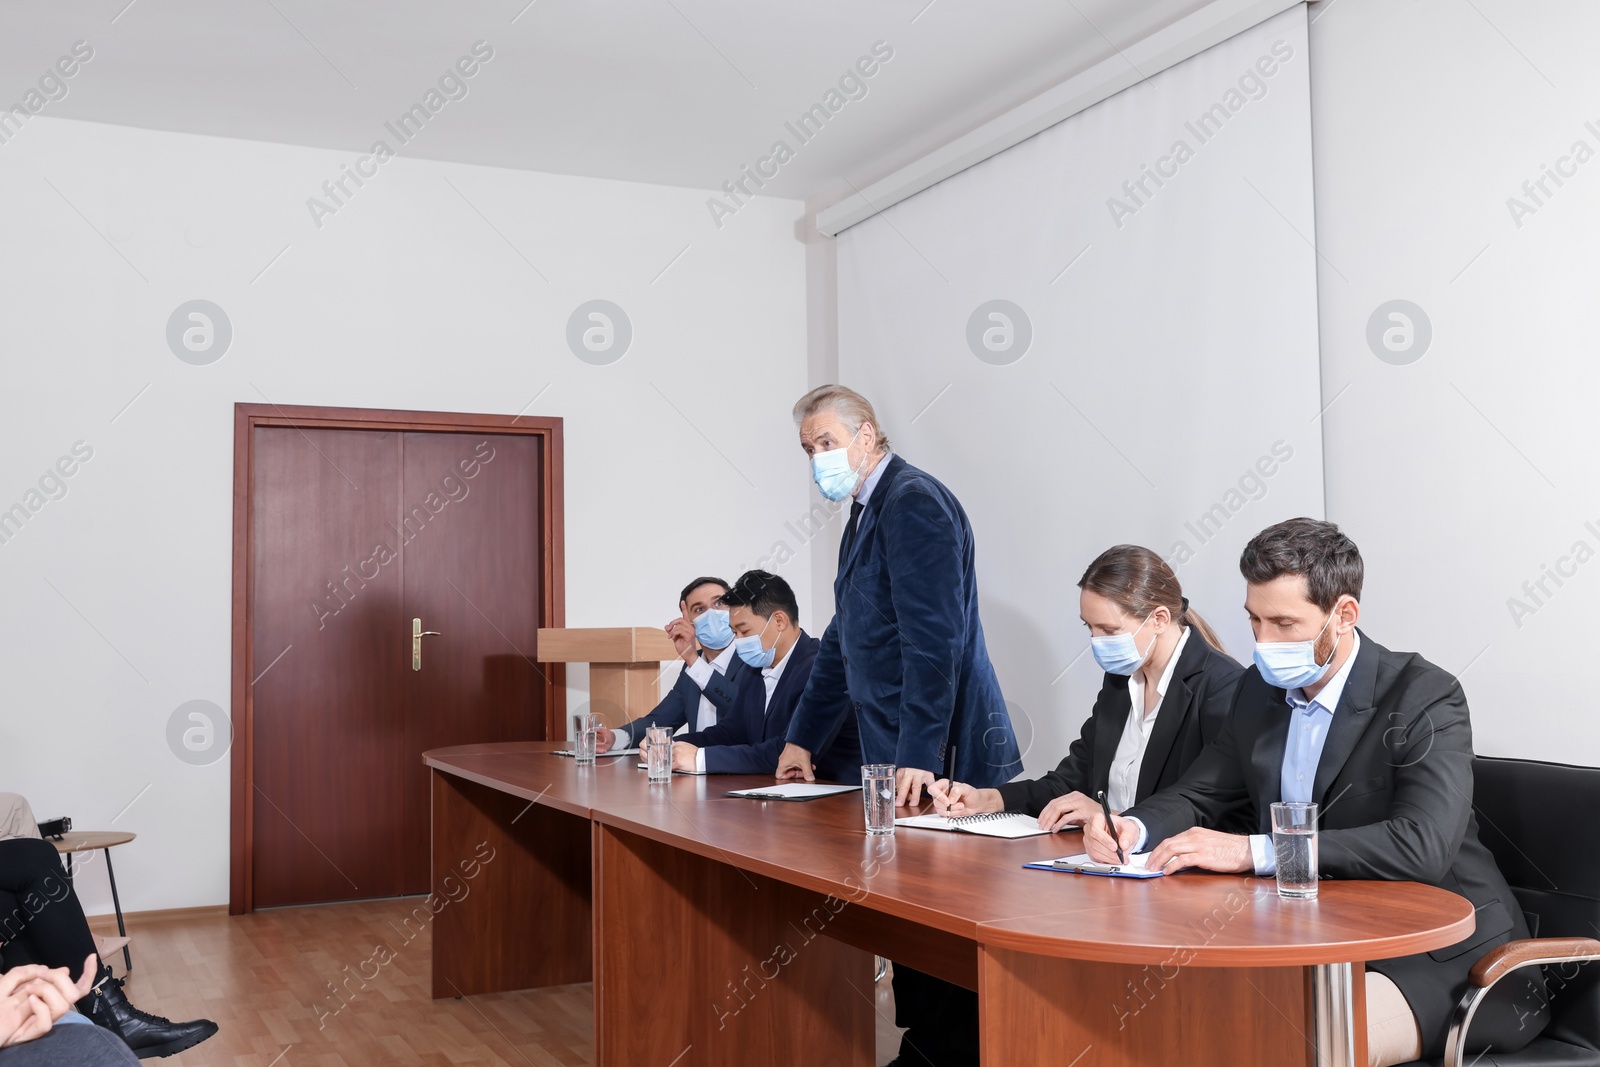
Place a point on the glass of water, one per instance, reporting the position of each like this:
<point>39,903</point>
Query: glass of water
<point>1294,843</point>
<point>658,753</point>
<point>585,733</point>
<point>877,798</point>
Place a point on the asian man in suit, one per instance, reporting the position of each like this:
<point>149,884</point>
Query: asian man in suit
<point>1381,741</point>
<point>748,739</point>
<point>706,686</point>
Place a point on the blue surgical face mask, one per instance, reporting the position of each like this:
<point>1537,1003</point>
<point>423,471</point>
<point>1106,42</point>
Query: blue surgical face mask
<point>1293,664</point>
<point>832,472</point>
<point>750,649</point>
<point>711,629</point>
<point>1119,653</point>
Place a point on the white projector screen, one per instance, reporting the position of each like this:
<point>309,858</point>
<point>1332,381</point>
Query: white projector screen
<point>1105,334</point>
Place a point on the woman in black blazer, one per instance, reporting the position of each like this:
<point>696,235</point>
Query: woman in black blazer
<point>1153,647</point>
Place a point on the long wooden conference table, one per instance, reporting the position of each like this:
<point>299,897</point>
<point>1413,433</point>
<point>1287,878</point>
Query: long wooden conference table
<point>719,930</point>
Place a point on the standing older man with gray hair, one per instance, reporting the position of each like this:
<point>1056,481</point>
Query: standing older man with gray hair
<point>905,652</point>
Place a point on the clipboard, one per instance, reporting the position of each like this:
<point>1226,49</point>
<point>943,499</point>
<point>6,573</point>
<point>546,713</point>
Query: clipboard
<point>1082,864</point>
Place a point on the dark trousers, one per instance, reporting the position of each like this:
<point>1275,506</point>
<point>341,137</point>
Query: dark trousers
<point>70,1045</point>
<point>941,1020</point>
<point>41,920</point>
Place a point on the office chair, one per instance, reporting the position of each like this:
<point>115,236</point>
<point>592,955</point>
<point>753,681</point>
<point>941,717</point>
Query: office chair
<point>1542,822</point>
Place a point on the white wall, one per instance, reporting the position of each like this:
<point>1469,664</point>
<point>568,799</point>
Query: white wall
<point>1466,473</point>
<point>117,595</point>
<point>1167,363</point>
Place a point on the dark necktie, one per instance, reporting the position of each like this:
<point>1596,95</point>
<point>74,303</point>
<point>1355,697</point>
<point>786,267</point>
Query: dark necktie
<point>849,530</point>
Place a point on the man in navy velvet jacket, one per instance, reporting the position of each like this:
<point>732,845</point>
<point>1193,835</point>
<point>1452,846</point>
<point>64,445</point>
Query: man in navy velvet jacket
<point>906,649</point>
<point>778,656</point>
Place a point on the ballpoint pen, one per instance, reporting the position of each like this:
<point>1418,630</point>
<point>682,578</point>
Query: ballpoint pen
<point>1105,806</point>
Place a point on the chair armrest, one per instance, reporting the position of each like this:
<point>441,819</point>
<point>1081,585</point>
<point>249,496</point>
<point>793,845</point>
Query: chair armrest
<point>1499,962</point>
<point>1503,959</point>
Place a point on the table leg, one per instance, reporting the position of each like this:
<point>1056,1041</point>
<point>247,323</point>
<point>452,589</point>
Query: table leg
<point>510,904</point>
<point>116,903</point>
<point>1337,1006</point>
<point>1038,1011</point>
<point>700,964</point>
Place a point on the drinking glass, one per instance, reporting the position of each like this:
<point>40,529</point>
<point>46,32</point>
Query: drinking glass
<point>877,798</point>
<point>585,734</point>
<point>658,753</point>
<point>1294,842</point>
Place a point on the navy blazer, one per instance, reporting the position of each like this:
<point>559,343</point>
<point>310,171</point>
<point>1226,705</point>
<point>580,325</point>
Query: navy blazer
<point>682,702</point>
<point>1394,789</point>
<point>1192,713</point>
<point>905,647</point>
<point>750,738</point>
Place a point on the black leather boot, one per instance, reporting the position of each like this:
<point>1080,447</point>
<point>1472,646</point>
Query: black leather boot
<point>147,1035</point>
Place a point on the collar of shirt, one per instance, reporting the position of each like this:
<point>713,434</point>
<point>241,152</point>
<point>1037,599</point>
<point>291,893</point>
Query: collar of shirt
<point>720,664</point>
<point>770,675</point>
<point>870,482</point>
<point>1328,698</point>
<point>1136,681</point>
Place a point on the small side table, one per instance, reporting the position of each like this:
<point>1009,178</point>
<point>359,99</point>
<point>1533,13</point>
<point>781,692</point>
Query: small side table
<point>102,841</point>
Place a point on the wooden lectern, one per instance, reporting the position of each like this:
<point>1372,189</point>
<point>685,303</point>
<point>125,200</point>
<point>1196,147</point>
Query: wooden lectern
<point>624,667</point>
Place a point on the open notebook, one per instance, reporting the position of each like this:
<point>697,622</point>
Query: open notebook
<point>988,823</point>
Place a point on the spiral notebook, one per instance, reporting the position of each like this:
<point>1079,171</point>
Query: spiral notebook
<point>988,823</point>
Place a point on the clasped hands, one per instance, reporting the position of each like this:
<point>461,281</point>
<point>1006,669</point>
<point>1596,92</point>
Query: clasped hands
<point>32,998</point>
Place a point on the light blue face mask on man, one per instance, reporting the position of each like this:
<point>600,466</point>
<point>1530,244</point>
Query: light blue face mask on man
<point>711,629</point>
<point>749,649</point>
<point>1119,653</point>
<point>832,472</point>
<point>1293,664</point>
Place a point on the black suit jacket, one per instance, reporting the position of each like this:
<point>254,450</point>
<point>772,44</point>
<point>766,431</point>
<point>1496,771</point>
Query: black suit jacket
<point>1192,714</point>
<point>682,702</point>
<point>1394,789</point>
<point>750,737</point>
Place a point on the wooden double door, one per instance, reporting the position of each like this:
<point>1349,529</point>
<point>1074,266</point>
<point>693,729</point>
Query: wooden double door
<point>357,538</point>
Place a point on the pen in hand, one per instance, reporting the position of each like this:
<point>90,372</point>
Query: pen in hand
<point>1111,827</point>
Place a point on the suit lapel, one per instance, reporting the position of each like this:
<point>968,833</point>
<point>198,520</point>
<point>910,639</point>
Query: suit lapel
<point>1107,739</point>
<point>1350,719</point>
<point>868,518</point>
<point>1267,756</point>
<point>791,677</point>
<point>1175,712</point>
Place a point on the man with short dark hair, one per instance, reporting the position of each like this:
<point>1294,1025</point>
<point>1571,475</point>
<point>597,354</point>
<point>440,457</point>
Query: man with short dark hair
<point>706,686</point>
<point>1381,741</point>
<point>748,739</point>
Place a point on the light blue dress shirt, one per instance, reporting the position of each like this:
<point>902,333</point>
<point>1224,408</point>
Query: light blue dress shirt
<point>870,482</point>
<point>1302,753</point>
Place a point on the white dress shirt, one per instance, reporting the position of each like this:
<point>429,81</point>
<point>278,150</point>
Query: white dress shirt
<point>769,677</point>
<point>700,671</point>
<point>1127,763</point>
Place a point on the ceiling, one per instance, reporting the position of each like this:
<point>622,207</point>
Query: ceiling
<point>676,92</point>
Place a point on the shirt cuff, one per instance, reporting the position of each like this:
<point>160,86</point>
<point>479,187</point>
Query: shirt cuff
<point>1263,855</point>
<point>699,672</point>
<point>1144,835</point>
<point>624,738</point>
<point>700,761</point>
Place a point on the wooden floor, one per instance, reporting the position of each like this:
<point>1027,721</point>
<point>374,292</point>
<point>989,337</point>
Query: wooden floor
<point>302,987</point>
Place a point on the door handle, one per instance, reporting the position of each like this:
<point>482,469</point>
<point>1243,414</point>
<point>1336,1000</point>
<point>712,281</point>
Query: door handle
<point>417,634</point>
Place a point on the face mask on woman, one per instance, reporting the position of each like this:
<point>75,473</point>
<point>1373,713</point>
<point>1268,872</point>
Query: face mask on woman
<point>1119,653</point>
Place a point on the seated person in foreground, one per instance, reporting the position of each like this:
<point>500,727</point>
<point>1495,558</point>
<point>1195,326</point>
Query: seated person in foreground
<point>710,677</point>
<point>39,1028</point>
<point>42,923</point>
<point>1381,741</point>
<point>1167,689</point>
<point>750,737</point>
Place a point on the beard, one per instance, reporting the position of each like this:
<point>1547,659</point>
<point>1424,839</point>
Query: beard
<point>1324,648</point>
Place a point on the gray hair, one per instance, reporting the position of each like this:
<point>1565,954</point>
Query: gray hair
<point>844,402</point>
